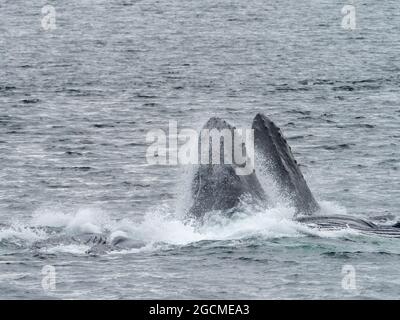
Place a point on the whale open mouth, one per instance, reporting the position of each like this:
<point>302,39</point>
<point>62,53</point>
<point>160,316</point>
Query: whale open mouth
<point>220,187</point>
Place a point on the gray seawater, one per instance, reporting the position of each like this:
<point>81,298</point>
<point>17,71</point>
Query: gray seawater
<point>76,104</point>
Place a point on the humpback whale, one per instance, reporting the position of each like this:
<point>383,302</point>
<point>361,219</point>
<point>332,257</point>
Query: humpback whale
<point>218,188</point>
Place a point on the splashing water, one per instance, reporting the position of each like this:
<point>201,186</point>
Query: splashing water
<point>164,226</point>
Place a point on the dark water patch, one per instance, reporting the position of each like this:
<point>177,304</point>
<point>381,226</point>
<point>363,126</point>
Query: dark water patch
<point>15,132</point>
<point>341,146</point>
<point>339,255</point>
<point>317,82</point>
<point>100,43</point>
<point>58,65</point>
<point>86,141</point>
<point>80,92</point>
<point>103,125</point>
<point>350,85</point>
<point>323,82</point>
<point>343,88</point>
<point>83,168</point>
<point>291,262</point>
<point>145,96</point>
<point>150,104</point>
<point>356,125</point>
<point>349,255</point>
<point>365,125</point>
<point>7,88</point>
<point>367,84</point>
<point>30,101</point>
<point>360,166</point>
<point>6,119</point>
<point>364,81</point>
<point>384,218</point>
<point>385,253</point>
<point>390,161</point>
<point>73,153</point>
<point>58,186</point>
<point>302,112</point>
<point>219,251</point>
<point>133,50</point>
<point>370,87</point>
<point>43,256</point>
<point>299,137</point>
<point>252,260</point>
<point>25,66</point>
<point>306,118</point>
<point>136,185</point>
<point>72,91</point>
<point>287,88</point>
<point>135,144</point>
<point>166,195</point>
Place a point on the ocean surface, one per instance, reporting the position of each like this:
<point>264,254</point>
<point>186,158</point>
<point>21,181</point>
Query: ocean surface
<point>77,102</point>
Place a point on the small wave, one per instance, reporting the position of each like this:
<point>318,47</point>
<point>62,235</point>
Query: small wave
<point>18,233</point>
<point>85,220</point>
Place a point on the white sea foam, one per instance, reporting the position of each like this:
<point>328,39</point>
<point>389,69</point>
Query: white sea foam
<point>19,232</point>
<point>76,249</point>
<point>84,220</point>
<point>163,225</point>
